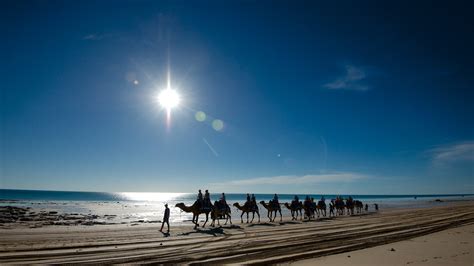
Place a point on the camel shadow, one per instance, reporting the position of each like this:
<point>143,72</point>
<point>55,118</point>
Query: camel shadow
<point>166,234</point>
<point>210,231</point>
<point>262,224</point>
<point>326,219</point>
<point>290,222</point>
<point>232,226</point>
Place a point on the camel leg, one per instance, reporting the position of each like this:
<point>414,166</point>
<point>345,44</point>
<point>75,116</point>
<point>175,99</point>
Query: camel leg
<point>274,216</point>
<point>196,221</point>
<point>230,218</point>
<point>258,216</point>
<point>247,217</point>
<point>241,219</point>
<point>281,216</point>
<point>207,218</point>
<point>253,216</point>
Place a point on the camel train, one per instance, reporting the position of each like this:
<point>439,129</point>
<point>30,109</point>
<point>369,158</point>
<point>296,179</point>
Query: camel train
<point>304,210</point>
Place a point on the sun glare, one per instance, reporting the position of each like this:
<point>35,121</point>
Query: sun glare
<point>169,99</point>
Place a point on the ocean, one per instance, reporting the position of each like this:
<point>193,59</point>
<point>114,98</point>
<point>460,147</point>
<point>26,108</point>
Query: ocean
<point>128,207</point>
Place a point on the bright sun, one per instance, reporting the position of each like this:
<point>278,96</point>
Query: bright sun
<point>169,99</point>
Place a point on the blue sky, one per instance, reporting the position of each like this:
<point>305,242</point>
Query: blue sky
<point>362,98</point>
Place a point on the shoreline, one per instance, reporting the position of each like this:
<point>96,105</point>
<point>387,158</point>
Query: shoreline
<point>63,213</point>
<point>240,243</point>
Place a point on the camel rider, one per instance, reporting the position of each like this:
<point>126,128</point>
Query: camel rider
<point>207,199</point>
<point>313,204</point>
<point>223,198</point>
<point>275,200</point>
<point>199,198</point>
<point>253,201</point>
<point>223,202</point>
<point>295,201</point>
<point>307,202</point>
<point>248,197</point>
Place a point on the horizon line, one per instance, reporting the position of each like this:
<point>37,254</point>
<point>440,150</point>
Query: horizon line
<point>78,191</point>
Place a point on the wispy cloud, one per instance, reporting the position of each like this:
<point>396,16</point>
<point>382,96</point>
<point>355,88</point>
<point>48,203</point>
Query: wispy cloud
<point>95,37</point>
<point>295,179</point>
<point>353,79</point>
<point>458,152</point>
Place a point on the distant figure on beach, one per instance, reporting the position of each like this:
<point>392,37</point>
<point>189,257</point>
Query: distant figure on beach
<point>366,207</point>
<point>376,206</point>
<point>166,218</point>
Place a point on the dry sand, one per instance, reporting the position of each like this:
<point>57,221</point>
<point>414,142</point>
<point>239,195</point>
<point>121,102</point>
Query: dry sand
<point>258,243</point>
<point>453,247</point>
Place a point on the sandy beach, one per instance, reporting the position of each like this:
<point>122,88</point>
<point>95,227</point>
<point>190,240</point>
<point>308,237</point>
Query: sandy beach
<point>452,247</point>
<point>285,242</point>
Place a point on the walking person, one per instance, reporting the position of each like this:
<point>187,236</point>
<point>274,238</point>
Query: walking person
<point>166,218</point>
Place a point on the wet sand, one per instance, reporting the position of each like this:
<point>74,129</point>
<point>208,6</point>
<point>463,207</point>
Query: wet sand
<point>263,243</point>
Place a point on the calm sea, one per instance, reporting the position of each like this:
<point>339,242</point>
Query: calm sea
<point>129,207</point>
<point>44,195</point>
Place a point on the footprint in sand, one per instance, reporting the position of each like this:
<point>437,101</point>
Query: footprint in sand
<point>437,258</point>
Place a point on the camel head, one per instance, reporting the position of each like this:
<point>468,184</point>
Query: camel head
<point>180,205</point>
<point>262,202</point>
<point>236,204</point>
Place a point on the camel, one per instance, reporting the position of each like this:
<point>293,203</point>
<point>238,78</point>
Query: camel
<point>218,212</point>
<point>322,207</point>
<point>272,208</point>
<point>247,208</point>
<point>331,209</point>
<point>339,205</point>
<point>309,209</point>
<point>196,210</point>
<point>294,209</point>
<point>358,205</point>
<point>350,206</point>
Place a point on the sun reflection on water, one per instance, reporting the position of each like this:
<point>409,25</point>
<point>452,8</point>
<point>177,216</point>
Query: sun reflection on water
<point>151,196</point>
